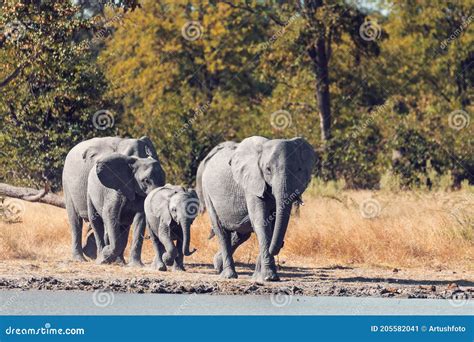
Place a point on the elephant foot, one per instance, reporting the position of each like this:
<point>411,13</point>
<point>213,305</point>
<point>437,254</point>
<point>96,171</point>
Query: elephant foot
<point>228,273</point>
<point>90,247</point>
<point>120,261</point>
<point>265,275</point>
<point>78,257</point>
<point>159,267</point>
<point>135,263</point>
<point>90,254</point>
<point>168,259</point>
<point>178,268</point>
<point>108,258</point>
<point>101,261</point>
<point>218,263</point>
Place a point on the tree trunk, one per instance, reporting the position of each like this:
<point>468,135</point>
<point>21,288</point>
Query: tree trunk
<point>32,195</point>
<point>318,55</point>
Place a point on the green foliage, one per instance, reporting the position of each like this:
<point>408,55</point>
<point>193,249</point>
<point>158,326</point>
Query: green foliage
<point>353,156</point>
<point>390,182</point>
<point>186,94</point>
<point>191,74</point>
<point>48,106</point>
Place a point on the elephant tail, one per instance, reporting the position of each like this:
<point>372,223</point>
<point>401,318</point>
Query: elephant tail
<point>211,234</point>
<point>202,167</point>
<point>213,214</point>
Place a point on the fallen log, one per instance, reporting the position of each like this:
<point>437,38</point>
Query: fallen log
<point>32,195</point>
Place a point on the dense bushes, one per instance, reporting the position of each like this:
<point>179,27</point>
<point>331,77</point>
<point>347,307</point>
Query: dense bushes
<point>191,76</point>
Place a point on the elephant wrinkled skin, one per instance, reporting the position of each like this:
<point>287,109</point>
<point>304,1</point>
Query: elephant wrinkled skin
<point>79,161</point>
<point>250,187</point>
<point>116,192</point>
<point>170,211</point>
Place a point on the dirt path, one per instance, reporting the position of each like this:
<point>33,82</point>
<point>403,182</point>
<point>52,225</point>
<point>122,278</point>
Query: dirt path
<point>200,278</point>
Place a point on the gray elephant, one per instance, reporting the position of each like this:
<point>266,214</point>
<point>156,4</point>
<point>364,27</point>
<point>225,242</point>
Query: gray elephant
<point>251,186</point>
<point>79,161</point>
<point>116,191</point>
<point>170,211</point>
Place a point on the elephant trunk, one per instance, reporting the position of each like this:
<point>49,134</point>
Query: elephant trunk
<point>186,227</point>
<point>283,211</point>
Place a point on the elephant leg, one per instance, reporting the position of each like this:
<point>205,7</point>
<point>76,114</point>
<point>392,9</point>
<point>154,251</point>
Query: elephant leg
<point>114,229</point>
<point>139,224</point>
<point>178,264</point>
<point>258,266</point>
<point>106,238</point>
<point>171,251</point>
<point>89,248</point>
<point>97,226</point>
<point>228,266</point>
<point>159,250</point>
<point>236,240</point>
<point>112,250</point>
<point>75,222</point>
<point>224,237</point>
<point>265,269</point>
<point>122,240</point>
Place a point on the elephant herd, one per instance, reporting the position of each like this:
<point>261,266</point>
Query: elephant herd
<point>114,183</point>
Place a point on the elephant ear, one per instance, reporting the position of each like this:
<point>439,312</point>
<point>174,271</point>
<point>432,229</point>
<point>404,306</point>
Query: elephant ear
<point>149,148</point>
<point>95,152</point>
<point>245,165</point>
<point>115,172</point>
<point>160,204</point>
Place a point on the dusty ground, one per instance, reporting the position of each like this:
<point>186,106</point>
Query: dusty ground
<point>200,278</point>
<point>349,243</point>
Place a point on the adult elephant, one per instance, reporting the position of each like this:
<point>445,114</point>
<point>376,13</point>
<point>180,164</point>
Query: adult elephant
<point>250,187</point>
<point>79,161</point>
<point>116,192</point>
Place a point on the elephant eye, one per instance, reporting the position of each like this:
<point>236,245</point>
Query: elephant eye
<point>148,181</point>
<point>268,169</point>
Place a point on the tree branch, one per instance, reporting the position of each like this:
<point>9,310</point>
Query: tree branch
<point>32,195</point>
<point>14,74</point>
<point>19,68</point>
<point>247,8</point>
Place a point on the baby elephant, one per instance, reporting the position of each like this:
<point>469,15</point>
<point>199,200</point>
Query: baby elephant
<point>170,210</point>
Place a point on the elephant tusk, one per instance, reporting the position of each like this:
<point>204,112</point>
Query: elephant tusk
<point>299,201</point>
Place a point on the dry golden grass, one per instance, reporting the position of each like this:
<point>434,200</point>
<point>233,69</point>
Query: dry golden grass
<point>430,230</point>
